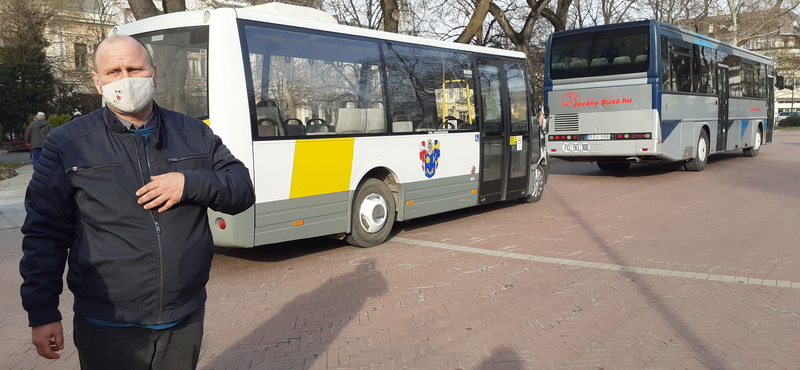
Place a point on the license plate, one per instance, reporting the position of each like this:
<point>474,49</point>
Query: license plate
<point>598,137</point>
<point>575,147</point>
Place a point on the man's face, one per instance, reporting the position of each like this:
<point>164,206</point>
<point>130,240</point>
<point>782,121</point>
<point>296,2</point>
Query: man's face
<point>122,59</point>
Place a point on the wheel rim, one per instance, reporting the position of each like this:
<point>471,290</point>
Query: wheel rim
<point>372,213</point>
<point>701,150</point>
<point>538,183</point>
<point>757,144</point>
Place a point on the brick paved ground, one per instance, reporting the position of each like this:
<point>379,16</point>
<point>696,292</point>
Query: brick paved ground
<point>514,286</point>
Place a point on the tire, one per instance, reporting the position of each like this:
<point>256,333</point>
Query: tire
<point>613,166</point>
<point>699,163</point>
<point>537,186</point>
<point>373,214</point>
<point>752,152</point>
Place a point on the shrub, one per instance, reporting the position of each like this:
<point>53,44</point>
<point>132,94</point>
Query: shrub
<point>59,119</point>
<point>791,121</point>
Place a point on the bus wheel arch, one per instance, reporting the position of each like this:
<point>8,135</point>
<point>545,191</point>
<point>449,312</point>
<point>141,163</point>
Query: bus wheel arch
<point>373,209</point>
<point>698,163</point>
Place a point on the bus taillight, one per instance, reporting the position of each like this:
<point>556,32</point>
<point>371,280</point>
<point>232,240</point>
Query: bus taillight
<point>221,224</point>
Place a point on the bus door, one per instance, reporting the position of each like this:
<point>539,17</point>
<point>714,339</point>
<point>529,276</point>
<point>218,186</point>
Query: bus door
<point>504,131</point>
<point>723,94</point>
<point>770,109</point>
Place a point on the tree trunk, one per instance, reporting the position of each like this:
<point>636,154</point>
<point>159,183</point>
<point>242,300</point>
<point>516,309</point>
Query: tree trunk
<point>143,9</point>
<point>475,25</point>
<point>558,18</point>
<point>173,6</point>
<point>389,7</point>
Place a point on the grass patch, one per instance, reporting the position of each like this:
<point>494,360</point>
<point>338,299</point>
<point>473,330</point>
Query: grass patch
<point>13,165</point>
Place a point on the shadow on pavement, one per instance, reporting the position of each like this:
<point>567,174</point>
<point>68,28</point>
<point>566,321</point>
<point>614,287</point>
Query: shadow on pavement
<point>280,252</point>
<point>680,326</point>
<point>504,358</point>
<point>302,331</point>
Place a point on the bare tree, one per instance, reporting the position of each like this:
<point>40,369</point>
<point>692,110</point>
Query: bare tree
<point>366,13</point>
<point>558,17</point>
<point>587,13</point>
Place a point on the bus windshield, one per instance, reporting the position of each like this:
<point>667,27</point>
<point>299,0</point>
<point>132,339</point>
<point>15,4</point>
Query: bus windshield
<point>181,59</point>
<point>600,53</point>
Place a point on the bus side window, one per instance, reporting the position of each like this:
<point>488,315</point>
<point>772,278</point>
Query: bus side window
<point>323,84</point>
<point>666,70</point>
<point>426,85</point>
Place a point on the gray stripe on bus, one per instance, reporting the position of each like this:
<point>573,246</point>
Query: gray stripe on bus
<point>605,266</point>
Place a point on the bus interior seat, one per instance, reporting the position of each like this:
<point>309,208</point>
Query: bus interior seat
<point>622,60</point>
<point>318,126</point>
<point>465,126</point>
<point>271,113</point>
<point>351,121</point>
<point>295,130</point>
<point>641,58</point>
<point>267,130</point>
<point>319,130</point>
<point>578,64</point>
<point>599,62</point>
<point>558,67</point>
<point>402,126</point>
<point>376,120</point>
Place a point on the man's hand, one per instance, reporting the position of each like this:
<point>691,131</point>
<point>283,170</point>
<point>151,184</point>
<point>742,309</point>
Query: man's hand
<point>163,190</point>
<point>48,339</point>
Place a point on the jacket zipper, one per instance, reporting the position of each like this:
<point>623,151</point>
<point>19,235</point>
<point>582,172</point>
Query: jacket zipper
<point>153,217</point>
<point>197,156</point>
<point>88,168</point>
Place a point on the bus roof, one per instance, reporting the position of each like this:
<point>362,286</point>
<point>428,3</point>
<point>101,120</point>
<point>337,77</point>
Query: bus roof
<point>676,32</point>
<point>290,18</point>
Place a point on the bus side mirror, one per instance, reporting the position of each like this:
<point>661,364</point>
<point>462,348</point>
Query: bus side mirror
<point>780,83</point>
<point>544,114</point>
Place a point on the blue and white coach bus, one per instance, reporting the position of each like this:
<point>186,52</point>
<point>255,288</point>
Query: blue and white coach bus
<point>651,92</point>
<point>347,130</point>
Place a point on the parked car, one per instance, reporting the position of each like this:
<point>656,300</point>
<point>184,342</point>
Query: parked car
<point>785,114</point>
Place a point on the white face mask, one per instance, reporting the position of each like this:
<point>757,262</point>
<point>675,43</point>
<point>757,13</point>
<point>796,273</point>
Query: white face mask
<point>129,95</point>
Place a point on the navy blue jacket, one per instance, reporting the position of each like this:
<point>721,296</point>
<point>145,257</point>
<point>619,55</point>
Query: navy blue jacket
<point>126,264</point>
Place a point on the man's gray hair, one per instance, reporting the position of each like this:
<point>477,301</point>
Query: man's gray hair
<point>40,116</point>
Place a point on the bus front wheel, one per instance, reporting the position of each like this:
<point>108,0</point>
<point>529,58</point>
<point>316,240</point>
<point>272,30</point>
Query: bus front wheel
<point>537,186</point>
<point>752,152</point>
<point>373,214</point>
<point>698,163</point>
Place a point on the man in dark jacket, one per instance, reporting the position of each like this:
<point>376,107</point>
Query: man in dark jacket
<point>121,196</point>
<point>35,135</point>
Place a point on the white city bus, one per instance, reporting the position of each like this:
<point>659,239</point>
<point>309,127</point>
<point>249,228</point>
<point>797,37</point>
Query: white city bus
<point>347,130</point>
<point>650,92</point>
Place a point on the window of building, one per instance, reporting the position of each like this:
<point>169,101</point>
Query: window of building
<point>81,57</point>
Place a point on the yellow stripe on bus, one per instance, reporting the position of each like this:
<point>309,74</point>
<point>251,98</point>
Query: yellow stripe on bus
<point>321,166</point>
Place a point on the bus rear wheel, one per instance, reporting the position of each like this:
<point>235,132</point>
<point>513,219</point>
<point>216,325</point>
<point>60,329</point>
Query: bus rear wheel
<point>752,152</point>
<point>373,214</point>
<point>613,166</point>
<point>698,163</point>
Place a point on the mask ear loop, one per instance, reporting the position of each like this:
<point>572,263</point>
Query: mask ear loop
<point>98,79</point>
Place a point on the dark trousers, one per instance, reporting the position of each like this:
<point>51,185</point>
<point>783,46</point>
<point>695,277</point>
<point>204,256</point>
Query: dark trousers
<point>133,348</point>
<point>35,153</point>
